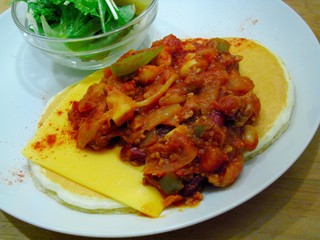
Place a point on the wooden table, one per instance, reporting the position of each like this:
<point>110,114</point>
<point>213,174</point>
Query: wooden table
<point>288,209</point>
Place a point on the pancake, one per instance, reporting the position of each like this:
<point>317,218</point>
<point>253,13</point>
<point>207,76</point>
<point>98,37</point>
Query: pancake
<point>272,86</point>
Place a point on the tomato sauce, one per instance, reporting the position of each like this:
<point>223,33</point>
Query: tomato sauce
<point>187,116</point>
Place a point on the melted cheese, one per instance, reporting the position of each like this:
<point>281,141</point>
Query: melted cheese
<point>54,148</point>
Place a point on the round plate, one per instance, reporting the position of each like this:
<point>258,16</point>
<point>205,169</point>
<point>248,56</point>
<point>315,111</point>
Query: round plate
<point>29,79</point>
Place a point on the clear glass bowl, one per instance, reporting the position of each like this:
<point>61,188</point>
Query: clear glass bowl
<point>100,52</point>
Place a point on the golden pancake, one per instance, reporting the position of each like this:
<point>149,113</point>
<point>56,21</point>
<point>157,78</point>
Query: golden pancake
<point>273,87</point>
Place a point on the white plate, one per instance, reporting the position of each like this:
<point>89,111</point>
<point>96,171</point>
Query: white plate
<point>28,80</point>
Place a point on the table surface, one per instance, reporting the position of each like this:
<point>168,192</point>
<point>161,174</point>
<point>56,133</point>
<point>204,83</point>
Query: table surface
<point>288,209</point>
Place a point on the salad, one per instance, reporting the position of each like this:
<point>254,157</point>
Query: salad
<point>77,19</point>
<point>73,19</point>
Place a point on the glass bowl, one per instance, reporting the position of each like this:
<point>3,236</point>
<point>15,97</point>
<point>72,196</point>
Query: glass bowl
<point>99,52</point>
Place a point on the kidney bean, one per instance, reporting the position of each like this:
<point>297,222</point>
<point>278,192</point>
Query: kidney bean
<point>133,154</point>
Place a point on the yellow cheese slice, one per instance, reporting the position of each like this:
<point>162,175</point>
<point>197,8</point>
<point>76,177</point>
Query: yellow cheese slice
<point>53,147</point>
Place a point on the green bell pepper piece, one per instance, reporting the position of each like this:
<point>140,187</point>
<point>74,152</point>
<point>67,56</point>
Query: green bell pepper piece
<point>134,62</point>
<point>170,184</point>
